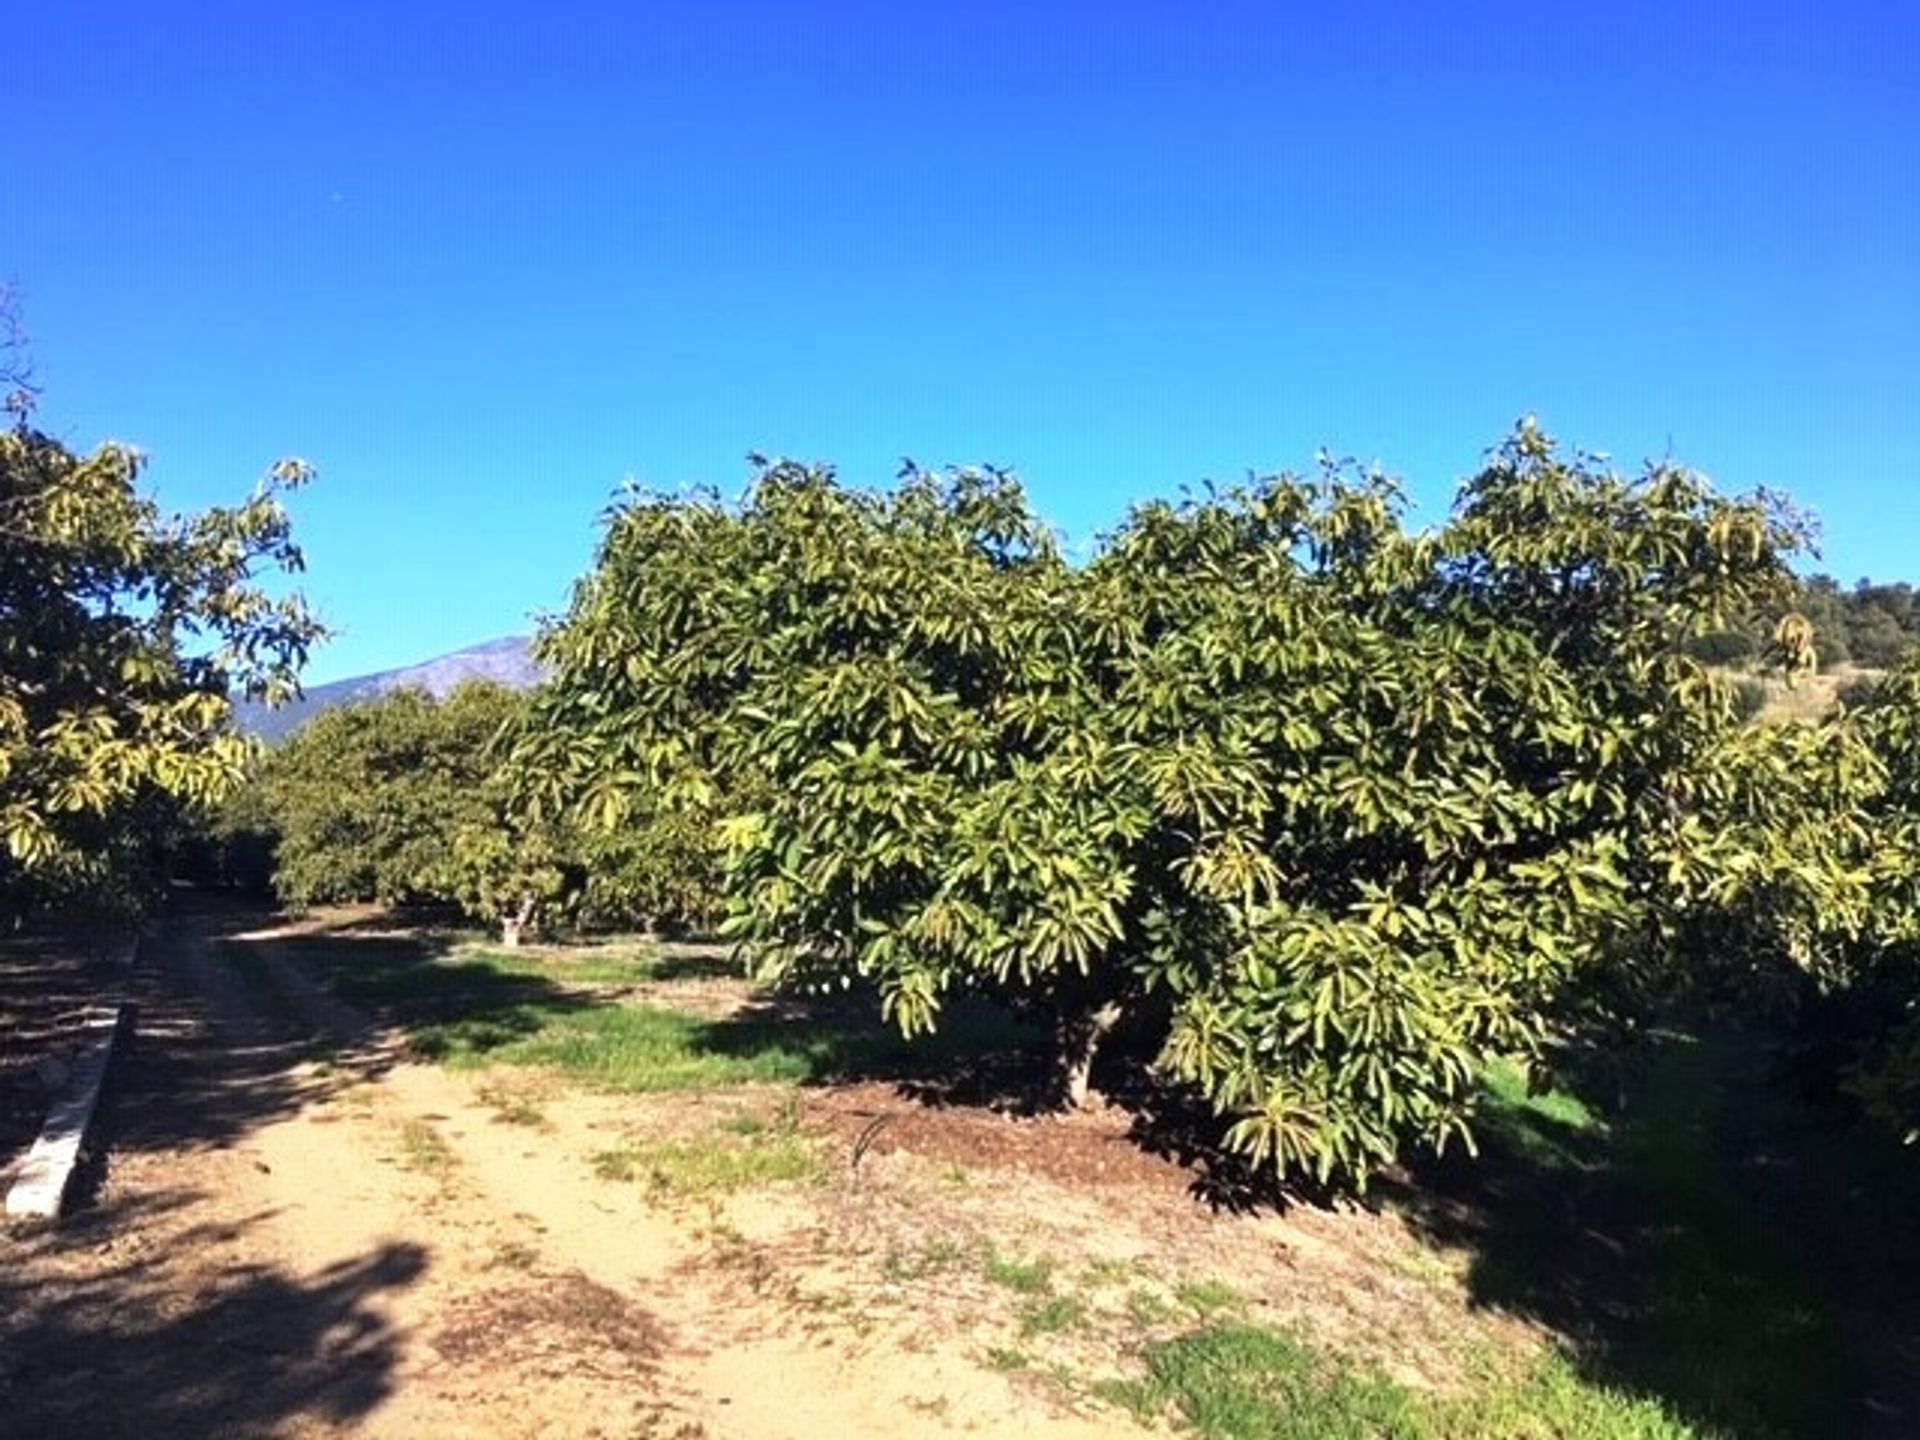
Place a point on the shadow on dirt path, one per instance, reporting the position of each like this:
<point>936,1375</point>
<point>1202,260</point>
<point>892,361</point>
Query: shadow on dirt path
<point>123,1349</point>
<point>199,1067</point>
<point>157,1309</point>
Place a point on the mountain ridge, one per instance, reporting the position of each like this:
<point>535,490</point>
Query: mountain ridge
<point>507,660</point>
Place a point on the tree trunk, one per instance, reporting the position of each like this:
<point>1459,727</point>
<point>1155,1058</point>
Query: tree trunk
<point>512,927</point>
<point>1080,1036</point>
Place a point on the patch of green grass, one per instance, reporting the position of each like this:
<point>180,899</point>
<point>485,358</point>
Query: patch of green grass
<point>644,1048</point>
<point>1245,1382</point>
<point>1638,1237</point>
<point>1730,1297</point>
<point>587,965</point>
<point>1028,1277</point>
<point>1008,1358</point>
<point>1549,1127</point>
<point>1552,1400</point>
<point>474,1007</point>
<point>720,1165</point>
<point>1148,1308</point>
<point>1051,1316</point>
<point>1208,1298</point>
<point>422,1149</point>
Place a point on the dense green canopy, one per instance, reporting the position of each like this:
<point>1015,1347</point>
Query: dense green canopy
<point>367,800</point>
<point>123,636</point>
<point>1344,809</point>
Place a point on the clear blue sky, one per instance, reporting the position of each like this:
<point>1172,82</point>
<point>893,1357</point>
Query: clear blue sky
<point>481,262</point>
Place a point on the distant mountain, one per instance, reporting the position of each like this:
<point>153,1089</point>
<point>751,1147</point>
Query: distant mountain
<point>508,660</point>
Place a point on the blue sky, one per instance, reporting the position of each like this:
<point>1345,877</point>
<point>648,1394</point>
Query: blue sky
<point>480,263</point>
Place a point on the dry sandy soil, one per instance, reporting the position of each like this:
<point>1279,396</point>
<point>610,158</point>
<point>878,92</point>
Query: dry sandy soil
<point>296,1240</point>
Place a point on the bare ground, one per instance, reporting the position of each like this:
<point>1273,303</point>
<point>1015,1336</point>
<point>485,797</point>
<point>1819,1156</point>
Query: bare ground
<point>53,982</point>
<point>293,1238</point>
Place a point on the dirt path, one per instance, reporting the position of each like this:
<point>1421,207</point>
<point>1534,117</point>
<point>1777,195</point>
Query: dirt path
<point>299,1240</point>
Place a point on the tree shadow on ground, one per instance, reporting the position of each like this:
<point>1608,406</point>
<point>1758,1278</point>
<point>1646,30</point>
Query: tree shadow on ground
<point>1645,1240</point>
<point>51,984</point>
<point>685,960</point>
<point>473,1006</point>
<point>983,1056</point>
<point>441,1005</point>
<point>404,987</point>
<point>1638,1235</point>
<point>189,1069</point>
<point>1179,1124</point>
<point>134,1349</point>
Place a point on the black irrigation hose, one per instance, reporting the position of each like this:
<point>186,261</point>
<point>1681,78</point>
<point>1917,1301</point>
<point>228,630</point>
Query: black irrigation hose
<point>866,1137</point>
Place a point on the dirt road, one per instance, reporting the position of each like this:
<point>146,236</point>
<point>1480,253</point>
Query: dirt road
<point>298,1239</point>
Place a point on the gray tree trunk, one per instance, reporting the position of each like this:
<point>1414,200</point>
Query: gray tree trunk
<point>1080,1037</point>
<point>512,927</point>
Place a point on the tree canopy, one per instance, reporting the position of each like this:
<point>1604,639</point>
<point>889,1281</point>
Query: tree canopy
<point>406,798</point>
<point>124,635</point>
<point>1342,809</point>
<point>370,800</point>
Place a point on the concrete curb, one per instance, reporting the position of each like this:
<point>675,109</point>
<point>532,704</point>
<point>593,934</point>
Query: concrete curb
<point>40,1187</point>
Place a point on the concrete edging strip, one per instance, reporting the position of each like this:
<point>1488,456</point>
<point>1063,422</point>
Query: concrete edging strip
<point>40,1188</point>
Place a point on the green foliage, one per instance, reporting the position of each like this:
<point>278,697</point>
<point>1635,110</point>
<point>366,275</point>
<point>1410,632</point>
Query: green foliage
<point>663,873</point>
<point>1412,791</point>
<point>124,633</point>
<point>408,798</point>
<point>1804,867</point>
<point>1351,809</point>
<point>1725,647</point>
<point>1874,626</point>
<point>370,801</point>
<point>1249,1382</point>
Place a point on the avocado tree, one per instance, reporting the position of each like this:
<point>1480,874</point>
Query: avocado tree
<point>1340,809</point>
<point>1884,1073</point>
<point>1801,885</point>
<point>124,636</point>
<point>370,800</point>
<point>1415,794</point>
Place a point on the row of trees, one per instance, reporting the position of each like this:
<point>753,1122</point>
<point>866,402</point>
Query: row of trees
<point>406,799</point>
<point>1871,626</point>
<point>1330,811</point>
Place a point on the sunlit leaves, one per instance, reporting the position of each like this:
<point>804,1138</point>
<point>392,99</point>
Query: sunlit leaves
<point>1360,808</point>
<point>124,633</point>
